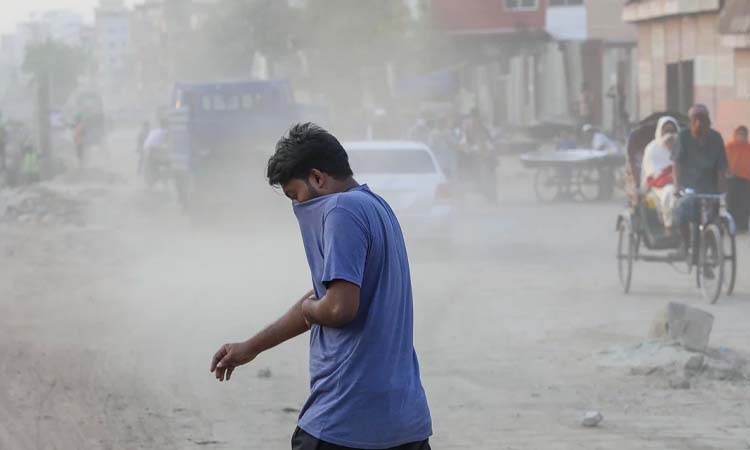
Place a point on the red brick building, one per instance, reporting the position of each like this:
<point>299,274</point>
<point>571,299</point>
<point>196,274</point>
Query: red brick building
<point>489,16</point>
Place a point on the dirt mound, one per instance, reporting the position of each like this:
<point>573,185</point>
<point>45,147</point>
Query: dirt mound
<point>90,175</point>
<point>41,205</point>
<point>671,359</point>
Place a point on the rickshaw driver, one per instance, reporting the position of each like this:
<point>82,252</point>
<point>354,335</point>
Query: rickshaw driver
<point>700,164</point>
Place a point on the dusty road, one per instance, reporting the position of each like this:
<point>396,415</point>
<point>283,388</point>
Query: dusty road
<point>107,325</point>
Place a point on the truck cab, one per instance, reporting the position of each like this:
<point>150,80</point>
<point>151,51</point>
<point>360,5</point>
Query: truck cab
<point>222,134</point>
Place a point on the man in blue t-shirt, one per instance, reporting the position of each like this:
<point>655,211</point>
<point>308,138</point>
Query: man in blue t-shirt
<point>365,388</point>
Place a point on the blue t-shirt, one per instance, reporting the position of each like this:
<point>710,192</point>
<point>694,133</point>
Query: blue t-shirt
<point>364,378</point>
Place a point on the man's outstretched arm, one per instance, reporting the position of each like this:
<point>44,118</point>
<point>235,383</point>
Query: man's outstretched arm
<point>289,326</point>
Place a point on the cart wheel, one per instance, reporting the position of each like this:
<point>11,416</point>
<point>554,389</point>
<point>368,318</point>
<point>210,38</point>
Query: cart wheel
<point>730,256</point>
<point>546,185</point>
<point>621,177</point>
<point>589,183</point>
<point>710,270</point>
<point>626,248</point>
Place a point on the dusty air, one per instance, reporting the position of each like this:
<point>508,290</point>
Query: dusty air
<point>374,224</point>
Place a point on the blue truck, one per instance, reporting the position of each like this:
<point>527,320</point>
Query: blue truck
<point>221,135</point>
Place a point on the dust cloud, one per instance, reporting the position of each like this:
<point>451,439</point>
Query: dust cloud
<point>123,272</point>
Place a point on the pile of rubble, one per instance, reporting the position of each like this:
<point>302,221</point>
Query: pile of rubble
<point>40,205</point>
<point>678,350</point>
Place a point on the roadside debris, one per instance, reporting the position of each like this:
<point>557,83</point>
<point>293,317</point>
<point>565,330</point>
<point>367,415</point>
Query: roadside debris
<point>688,326</point>
<point>40,205</point>
<point>592,419</point>
<point>679,352</point>
<point>694,364</point>
<point>679,382</point>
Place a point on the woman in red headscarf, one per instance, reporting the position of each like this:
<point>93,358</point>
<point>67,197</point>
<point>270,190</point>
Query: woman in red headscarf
<point>738,195</point>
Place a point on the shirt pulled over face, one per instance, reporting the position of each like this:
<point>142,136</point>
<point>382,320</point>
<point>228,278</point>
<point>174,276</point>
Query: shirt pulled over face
<point>365,387</point>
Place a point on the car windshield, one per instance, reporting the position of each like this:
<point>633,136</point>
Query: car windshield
<point>396,161</point>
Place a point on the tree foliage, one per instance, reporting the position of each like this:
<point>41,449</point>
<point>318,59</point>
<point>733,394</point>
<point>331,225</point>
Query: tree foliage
<point>237,29</point>
<point>61,64</point>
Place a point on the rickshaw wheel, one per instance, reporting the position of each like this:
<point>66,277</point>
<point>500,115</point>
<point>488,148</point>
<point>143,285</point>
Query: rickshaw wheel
<point>729,243</point>
<point>546,185</point>
<point>625,255</point>
<point>589,183</point>
<point>710,270</point>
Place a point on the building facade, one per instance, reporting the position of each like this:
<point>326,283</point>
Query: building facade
<point>112,36</point>
<point>161,32</point>
<point>526,61</point>
<point>112,52</point>
<point>695,51</point>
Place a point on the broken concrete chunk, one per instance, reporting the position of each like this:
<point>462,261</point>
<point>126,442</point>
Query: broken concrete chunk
<point>688,326</point>
<point>695,363</point>
<point>679,382</point>
<point>592,419</point>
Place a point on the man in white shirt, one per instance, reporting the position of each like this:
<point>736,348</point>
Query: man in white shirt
<point>599,140</point>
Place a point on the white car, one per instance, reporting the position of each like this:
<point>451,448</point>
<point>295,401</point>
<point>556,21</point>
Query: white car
<point>408,176</point>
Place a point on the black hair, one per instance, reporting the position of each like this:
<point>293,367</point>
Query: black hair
<point>305,147</point>
<point>741,128</point>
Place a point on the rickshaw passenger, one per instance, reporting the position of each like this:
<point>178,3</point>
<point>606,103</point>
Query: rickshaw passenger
<point>700,163</point>
<point>657,177</point>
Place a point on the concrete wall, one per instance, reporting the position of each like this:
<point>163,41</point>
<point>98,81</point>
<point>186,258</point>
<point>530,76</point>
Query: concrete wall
<point>735,112</point>
<point>683,38</point>
<point>567,23</point>
<point>604,22</point>
<point>555,101</point>
<point>742,74</point>
<point>659,9</point>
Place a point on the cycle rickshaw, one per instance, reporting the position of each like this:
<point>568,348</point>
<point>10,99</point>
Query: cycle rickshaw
<point>641,233</point>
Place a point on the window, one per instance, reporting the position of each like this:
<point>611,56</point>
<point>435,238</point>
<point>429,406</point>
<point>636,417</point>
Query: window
<point>680,86</point>
<point>565,2</point>
<point>247,101</point>
<point>233,103</point>
<point>220,103</point>
<point>521,5</point>
<point>206,101</point>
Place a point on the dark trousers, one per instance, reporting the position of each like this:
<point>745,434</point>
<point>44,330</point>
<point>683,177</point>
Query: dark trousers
<point>488,177</point>
<point>301,440</point>
<point>738,201</point>
<point>472,173</point>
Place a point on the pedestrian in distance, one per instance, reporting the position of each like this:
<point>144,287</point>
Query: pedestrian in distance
<point>738,181</point>
<point>141,142</point>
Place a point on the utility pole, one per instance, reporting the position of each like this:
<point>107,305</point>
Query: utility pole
<point>42,123</point>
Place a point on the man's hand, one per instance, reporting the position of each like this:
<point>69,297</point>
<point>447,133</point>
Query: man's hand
<point>229,357</point>
<point>288,326</point>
